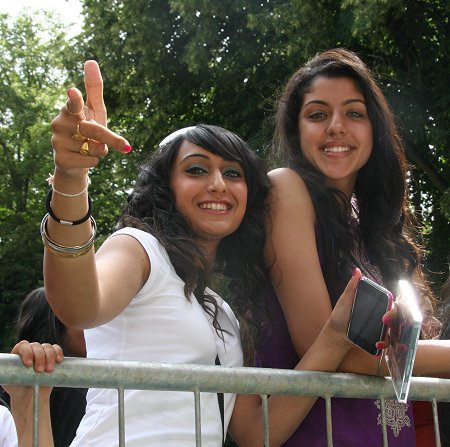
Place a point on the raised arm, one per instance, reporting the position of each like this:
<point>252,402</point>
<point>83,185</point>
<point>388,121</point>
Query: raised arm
<point>85,291</point>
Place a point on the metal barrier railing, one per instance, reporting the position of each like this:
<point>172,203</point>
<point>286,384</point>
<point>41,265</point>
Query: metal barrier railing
<point>121,375</point>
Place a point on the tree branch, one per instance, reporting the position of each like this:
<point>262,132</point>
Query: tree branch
<point>436,179</point>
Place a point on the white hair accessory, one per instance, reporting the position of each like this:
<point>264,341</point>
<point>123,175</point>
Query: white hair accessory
<point>175,134</point>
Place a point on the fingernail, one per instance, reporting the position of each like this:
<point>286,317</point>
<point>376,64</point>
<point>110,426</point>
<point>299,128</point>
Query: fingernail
<point>127,148</point>
<point>379,344</point>
<point>386,320</point>
<point>354,272</point>
<point>68,91</point>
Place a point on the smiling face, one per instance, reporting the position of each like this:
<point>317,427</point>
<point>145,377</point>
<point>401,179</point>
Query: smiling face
<point>210,192</point>
<point>335,130</point>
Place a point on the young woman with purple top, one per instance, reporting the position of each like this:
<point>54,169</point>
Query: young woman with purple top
<point>340,202</point>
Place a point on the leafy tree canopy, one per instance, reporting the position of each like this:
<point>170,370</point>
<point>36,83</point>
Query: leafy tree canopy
<point>31,75</point>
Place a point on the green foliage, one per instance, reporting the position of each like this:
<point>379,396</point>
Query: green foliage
<point>31,74</point>
<point>445,204</point>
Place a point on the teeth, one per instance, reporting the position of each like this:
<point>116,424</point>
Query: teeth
<point>337,149</point>
<point>214,206</point>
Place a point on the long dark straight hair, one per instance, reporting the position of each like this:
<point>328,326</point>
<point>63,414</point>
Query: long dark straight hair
<point>385,228</point>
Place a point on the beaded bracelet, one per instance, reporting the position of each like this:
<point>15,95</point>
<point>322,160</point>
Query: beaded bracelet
<point>66,222</point>
<point>64,250</point>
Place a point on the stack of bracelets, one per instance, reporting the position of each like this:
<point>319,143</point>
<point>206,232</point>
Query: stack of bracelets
<point>64,250</point>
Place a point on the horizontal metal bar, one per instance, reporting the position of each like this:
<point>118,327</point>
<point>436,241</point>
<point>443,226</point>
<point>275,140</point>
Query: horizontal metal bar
<point>90,373</point>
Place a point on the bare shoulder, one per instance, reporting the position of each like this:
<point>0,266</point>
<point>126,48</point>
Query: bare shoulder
<point>125,243</point>
<point>125,255</point>
<point>286,180</point>
<point>291,213</point>
<point>282,174</point>
<point>289,189</point>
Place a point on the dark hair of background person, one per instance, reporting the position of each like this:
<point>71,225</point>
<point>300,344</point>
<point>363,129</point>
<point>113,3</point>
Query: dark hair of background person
<point>37,322</point>
<point>386,225</point>
<point>151,207</point>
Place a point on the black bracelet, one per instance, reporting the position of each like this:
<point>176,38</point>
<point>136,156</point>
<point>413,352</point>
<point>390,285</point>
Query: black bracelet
<point>66,222</point>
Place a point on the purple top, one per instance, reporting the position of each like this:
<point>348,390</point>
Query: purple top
<point>356,422</point>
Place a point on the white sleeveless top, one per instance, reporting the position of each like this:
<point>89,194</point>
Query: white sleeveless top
<point>8,434</point>
<point>159,325</point>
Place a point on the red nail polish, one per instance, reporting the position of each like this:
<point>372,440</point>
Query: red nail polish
<point>127,148</point>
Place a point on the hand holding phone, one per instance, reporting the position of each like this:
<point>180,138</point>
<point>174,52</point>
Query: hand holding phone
<point>366,327</point>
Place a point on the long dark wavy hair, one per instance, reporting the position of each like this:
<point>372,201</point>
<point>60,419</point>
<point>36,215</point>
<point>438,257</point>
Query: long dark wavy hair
<point>151,207</point>
<point>385,227</point>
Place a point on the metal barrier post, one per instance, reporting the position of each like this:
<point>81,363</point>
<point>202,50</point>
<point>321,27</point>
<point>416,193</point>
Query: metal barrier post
<point>383,421</point>
<point>121,409</point>
<point>198,419</point>
<point>36,415</point>
<point>329,421</point>
<point>436,423</point>
<point>265,408</point>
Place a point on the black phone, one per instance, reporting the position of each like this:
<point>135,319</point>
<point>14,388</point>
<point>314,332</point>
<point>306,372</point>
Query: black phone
<point>366,327</point>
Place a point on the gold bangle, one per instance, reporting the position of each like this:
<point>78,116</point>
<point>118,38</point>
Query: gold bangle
<point>66,251</point>
<point>72,254</point>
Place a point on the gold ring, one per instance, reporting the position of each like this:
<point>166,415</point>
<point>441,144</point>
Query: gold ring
<point>78,135</point>
<point>84,149</point>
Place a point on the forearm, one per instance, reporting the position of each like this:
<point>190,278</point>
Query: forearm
<point>432,358</point>
<point>22,410</point>
<point>358,361</point>
<point>71,282</point>
<point>287,413</point>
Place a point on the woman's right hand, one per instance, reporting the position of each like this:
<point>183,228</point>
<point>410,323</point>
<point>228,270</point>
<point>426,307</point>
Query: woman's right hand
<point>340,315</point>
<point>90,119</point>
<point>42,357</point>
